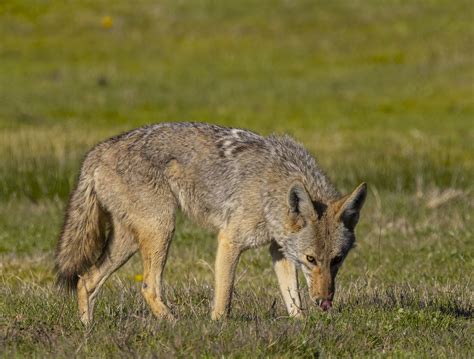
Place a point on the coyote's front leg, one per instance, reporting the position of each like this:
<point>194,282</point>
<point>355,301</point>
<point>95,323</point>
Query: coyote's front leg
<point>227,257</point>
<point>288,281</point>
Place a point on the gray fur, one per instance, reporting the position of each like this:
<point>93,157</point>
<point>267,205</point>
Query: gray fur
<point>226,179</point>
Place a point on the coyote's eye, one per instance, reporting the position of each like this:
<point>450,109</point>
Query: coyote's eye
<point>336,260</point>
<point>311,259</point>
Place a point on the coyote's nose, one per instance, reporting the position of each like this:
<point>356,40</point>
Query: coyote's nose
<point>325,304</point>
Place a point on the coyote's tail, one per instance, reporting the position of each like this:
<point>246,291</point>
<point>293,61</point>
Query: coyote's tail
<point>83,234</point>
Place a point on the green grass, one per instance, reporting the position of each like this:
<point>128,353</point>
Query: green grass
<point>381,92</point>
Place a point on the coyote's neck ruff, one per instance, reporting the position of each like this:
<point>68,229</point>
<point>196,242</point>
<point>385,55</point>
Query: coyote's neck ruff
<point>254,190</point>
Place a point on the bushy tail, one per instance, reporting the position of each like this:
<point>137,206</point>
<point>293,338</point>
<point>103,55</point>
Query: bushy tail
<point>83,234</point>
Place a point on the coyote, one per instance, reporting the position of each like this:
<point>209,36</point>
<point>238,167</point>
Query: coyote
<point>253,190</point>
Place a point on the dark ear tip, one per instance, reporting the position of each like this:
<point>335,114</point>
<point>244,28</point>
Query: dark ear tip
<point>362,189</point>
<point>361,193</point>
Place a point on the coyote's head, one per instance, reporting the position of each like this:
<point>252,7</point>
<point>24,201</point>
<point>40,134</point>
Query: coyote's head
<point>322,234</point>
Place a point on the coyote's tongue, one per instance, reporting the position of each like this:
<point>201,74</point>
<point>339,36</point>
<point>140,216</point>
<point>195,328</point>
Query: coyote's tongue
<point>326,305</point>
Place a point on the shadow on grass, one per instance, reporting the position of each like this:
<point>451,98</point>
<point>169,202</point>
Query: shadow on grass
<point>408,298</point>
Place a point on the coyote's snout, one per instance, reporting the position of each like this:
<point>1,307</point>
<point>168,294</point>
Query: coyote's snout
<point>253,190</point>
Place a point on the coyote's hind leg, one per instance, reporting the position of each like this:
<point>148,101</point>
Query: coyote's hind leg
<point>154,239</point>
<point>120,247</point>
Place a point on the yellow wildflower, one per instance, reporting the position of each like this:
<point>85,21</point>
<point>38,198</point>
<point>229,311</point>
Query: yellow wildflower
<point>107,22</point>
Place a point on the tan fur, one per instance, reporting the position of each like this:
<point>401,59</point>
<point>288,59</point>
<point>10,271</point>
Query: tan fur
<point>322,286</point>
<point>120,248</point>
<point>288,281</point>
<point>252,190</point>
<point>226,262</point>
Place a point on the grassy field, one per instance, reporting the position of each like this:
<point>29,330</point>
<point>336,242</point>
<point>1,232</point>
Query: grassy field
<point>378,91</point>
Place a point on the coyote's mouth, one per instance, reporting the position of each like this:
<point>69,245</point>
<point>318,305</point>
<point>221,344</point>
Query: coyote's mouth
<point>325,304</point>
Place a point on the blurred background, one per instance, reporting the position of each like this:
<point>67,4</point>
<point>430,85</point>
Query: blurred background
<point>361,83</point>
<point>378,91</point>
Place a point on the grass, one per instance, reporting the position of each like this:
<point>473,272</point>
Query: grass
<point>378,91</point>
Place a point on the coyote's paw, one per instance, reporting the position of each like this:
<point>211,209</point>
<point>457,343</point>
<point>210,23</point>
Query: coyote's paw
<point>161,311</point>
<point>297,315</point>
<point>167,315</point>
<point>218,315</point>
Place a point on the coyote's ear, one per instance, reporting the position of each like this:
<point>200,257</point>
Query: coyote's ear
<point>349,206</point>
<point>299,201</point>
